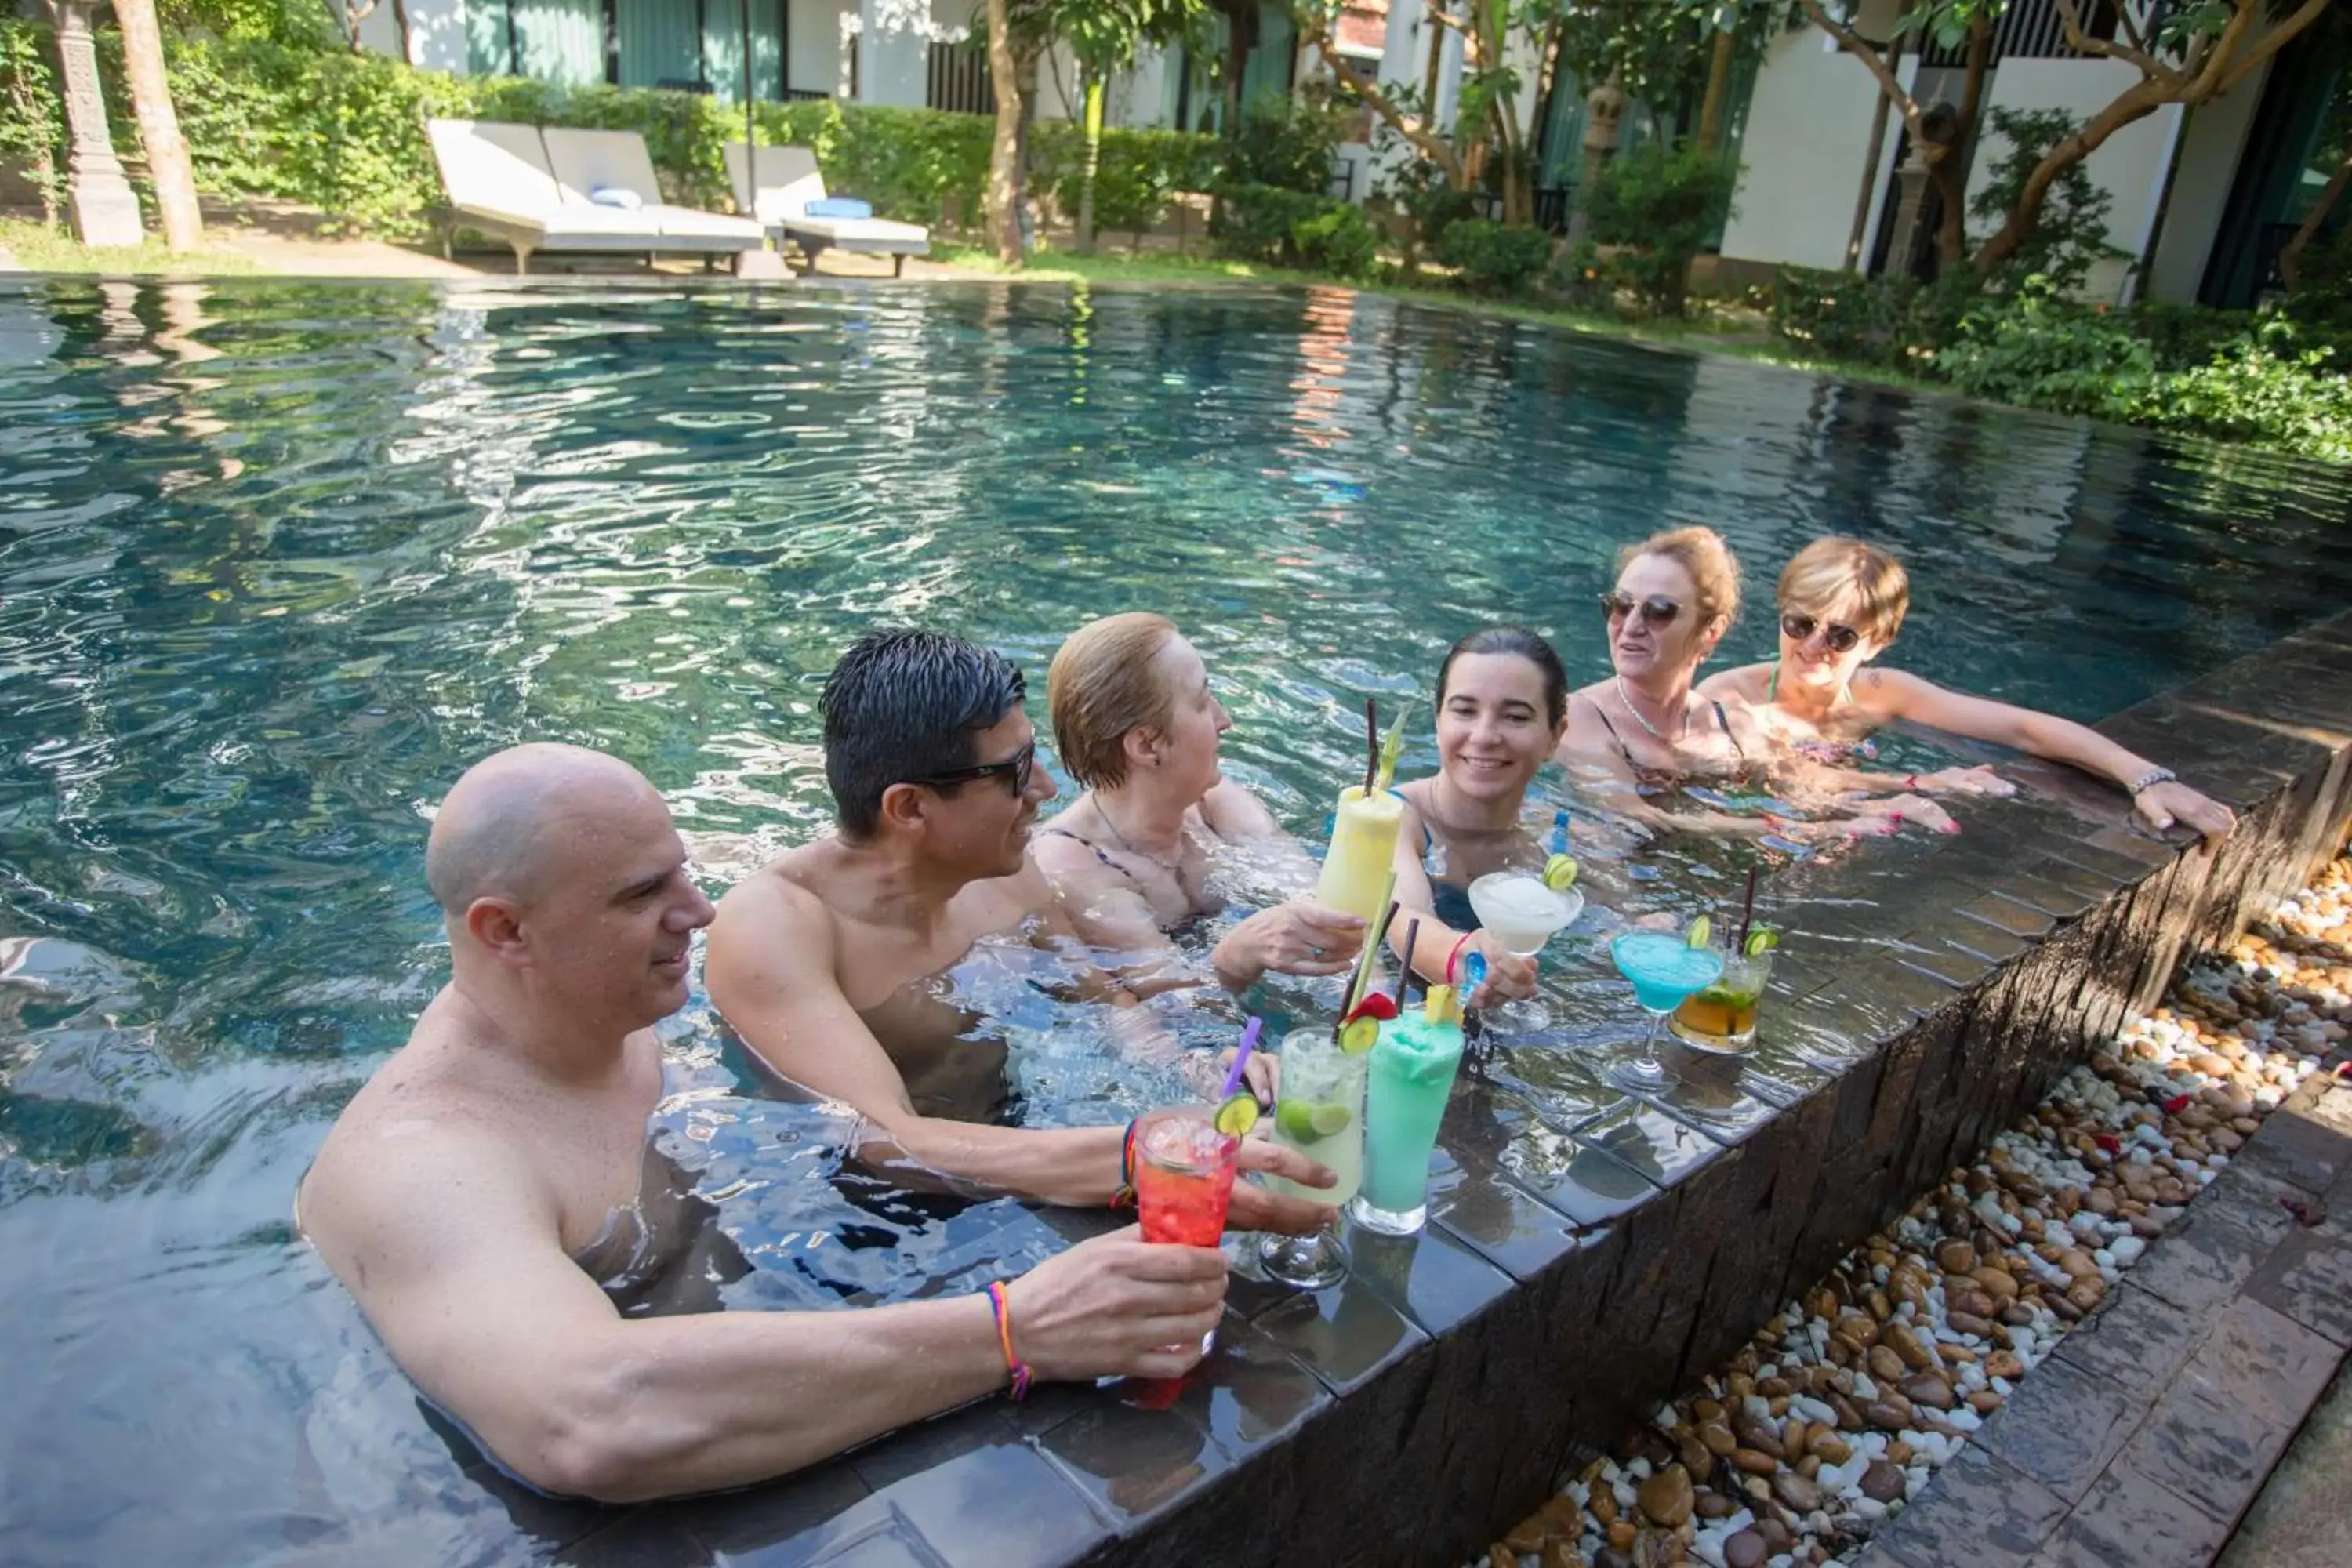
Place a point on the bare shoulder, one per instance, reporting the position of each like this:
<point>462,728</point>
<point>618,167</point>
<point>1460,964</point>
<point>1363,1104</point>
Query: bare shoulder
<point>1583,732</point>
<point>1891,691</point>
<point>788,893</point>
<point>1232,812</point>
<point>1746,683</point>
<point>1060,854</point>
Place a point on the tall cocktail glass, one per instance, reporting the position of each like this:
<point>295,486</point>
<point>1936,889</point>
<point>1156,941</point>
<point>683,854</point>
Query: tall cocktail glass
<point>1362,853</point>
<point>1320,1113</point>
<point>1521,913</point>
<point>1663,969</point>
<point>1411,1077</point>
<point>1184,1179</point>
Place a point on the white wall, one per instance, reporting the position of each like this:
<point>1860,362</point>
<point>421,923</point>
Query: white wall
<point>894,49</point>
<point>2130,165</point>
<point>2215,135</point>
<point>1808,130</point>
<point>819,32</point>
<point>437,35</point>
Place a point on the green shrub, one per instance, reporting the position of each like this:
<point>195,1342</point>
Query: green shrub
<point>1580,279</point>
<point>1284,142</point>
<point>1254,223</point>
<point>1493,259</point>
<point>1895,322</point>
<point>2035,349</point>
<point>1137,175</point>
<point>1340,240</point>
<point>2268,388</point>
<point>32,118</point>
<point>1661,207</point>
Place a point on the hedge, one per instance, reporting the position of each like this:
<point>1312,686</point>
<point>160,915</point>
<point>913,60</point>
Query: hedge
<point>345,133</point>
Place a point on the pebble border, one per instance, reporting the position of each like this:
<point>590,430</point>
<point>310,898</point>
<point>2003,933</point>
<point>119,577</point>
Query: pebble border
<point>1841,1409</point>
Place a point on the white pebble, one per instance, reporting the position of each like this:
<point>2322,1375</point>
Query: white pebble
<point>2127,1250</point>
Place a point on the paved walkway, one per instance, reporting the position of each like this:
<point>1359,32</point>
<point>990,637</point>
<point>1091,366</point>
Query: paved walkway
<point>2147,1434</point>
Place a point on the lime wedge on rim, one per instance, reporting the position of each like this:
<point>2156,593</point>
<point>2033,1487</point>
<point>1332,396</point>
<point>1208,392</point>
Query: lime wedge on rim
<point>1236,1115</point>
<point>1359,1035</point>
<point>1762,940</point>
<point>1700,930</point>
<point>1560,873</point>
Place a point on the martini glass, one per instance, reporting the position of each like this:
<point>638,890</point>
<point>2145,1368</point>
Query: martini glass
<point>1664,970</point>
<point>1520,913</point>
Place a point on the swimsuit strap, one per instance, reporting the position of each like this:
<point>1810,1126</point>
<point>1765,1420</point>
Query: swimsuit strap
<point>1101,854</point>
<point>1772,685</point>
<point>1725,720</point>
<point>1624,750</point>
<point>1646,780</point>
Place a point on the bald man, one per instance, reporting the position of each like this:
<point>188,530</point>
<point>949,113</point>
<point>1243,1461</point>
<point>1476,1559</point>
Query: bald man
<point>463,1195</point>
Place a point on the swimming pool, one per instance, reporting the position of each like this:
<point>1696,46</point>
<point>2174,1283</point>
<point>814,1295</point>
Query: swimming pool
<point>278,560</point>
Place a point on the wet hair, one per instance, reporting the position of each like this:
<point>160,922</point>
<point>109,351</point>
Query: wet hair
<point>904,704</point>
<point>1105,683</point>
<point>1828,571</point>
<point>1521,643</point>
<point>1701,553</point>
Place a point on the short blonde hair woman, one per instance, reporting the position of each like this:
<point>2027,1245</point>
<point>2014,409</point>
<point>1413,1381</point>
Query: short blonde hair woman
<point>1136,723</point>
<point>1842,602</point>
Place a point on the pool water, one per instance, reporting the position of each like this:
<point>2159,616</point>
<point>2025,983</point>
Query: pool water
<point>277,560</point>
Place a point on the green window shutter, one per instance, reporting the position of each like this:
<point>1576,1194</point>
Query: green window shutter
<point>562,41</point>
<point>485,37</point>
<point>657,41</point>
<point>1266,70</point>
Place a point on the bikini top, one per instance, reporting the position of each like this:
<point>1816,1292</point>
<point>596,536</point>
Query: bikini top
<point>1648,781</point>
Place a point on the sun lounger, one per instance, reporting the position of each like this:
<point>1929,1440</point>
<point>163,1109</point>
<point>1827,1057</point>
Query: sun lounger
<point>585,162</point>
<point>788,183</point>
<point>501,179</point>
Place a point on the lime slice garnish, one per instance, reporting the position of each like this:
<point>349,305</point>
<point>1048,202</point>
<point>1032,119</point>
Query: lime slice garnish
<point>1329,1120</point>
<point>1237,1115</point>
<point>1361,1035</point>
<point>1560,873</point>
<point>1294,1120</point>
<point>1700,930</point>
<point>1764,938</point>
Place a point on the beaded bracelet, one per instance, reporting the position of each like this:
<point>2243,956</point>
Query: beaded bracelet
<point>1000,1303</point>
<point>2150,779</point>
<point>1123,1195</point>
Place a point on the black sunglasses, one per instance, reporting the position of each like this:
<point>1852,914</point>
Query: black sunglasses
<point>1014,767</point>
<point>1658,610</point>
<point>1797,628</point>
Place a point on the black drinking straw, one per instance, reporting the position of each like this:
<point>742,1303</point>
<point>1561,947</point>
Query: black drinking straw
<point>1747,911</point>
<point>1364,968</point>
<point>1372,745</point>
<point>1405,975</point>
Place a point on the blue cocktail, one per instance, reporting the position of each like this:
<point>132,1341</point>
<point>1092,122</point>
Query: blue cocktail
<point>1663,969</point>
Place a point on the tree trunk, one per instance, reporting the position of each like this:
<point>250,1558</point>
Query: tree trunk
<point>2134,104</point>
<point>1237,65</point>
<point>159,127</point>
<point>1950,172</point>
<point>1094,126</point>
<point>1719,86</point>
<point>1005,152</point>
<point>2291,258</point>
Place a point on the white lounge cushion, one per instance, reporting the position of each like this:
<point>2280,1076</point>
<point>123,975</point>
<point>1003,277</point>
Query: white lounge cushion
<point>863,232</point>
<point>788,181</point>
<point>584,161</point>
<point>492,167</point>
<point>692,223</point>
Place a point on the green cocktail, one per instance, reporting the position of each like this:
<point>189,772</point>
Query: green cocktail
<point>1320,1113</point>
<point>1412,1079</point>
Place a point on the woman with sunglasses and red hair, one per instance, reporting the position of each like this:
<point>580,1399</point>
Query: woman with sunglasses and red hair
<point>1841,602</point>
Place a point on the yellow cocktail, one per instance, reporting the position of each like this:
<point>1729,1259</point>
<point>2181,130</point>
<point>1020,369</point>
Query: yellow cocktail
<point>1363,851</point>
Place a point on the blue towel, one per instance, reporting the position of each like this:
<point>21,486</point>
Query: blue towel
<point>615,196</point>
<point>839,206</point>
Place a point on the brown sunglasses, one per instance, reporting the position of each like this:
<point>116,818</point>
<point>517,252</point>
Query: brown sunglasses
<point>1658,610</point>
<point>1797,628</point>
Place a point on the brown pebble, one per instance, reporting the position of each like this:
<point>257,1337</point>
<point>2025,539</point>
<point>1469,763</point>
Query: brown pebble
<point>1809,1465</point>
<point>1713,1505</point>
<point>1881,1482</point>
<point>1830,1448</point>
<point>1777,1535</point>
<point>1984,1401</point>
<point>1884,1365</point>
<point>1563,1554</point>
<point>1775,1388</point>
<point>1717,1439</point>
<point>1706,1410</point>
<point>1906,1344</point>
<point>1795,1436</point>
<point>1604,1504</point>
<point>2017,1315</point>
<point>1996,1282</point>
<point>1849,1419</point>
<point>2004,1363</point>
<point>1956,1256</point>
<point>1880,1307</point>
<point>1753,1462</point>
<point>1666,1497</point>
<point>1969,1323</point>
<point>1861,1331</point>
<point>1697,1457</point>
<point>1500,1555</point>
<point>1620,1535</point>
<point>1888,1415</point>
<point>1928,1390</point>
<point>1528,1535</point>
<point>1898,1452</point>
<point>1795,1491</point>
<point>1746,1550</point>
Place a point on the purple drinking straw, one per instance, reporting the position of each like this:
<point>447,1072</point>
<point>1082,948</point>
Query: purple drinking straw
<point>1241,1056</point>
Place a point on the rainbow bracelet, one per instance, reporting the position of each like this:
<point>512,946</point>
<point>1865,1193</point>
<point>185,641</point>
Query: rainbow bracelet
<point>1000,1303</point>
<point>1123,1197</point>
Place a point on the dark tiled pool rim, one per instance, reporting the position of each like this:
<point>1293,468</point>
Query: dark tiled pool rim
<point>1586,1260</point>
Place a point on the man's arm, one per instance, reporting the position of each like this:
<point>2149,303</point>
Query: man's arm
<point>771,970</point>
<point>451,1250</point>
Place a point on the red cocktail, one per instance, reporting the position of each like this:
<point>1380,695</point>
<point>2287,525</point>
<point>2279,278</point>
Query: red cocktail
<point>1184,1176</point>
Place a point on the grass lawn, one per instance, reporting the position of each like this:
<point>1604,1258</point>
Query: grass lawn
<point>39,250</point>
<point>1741,333</point>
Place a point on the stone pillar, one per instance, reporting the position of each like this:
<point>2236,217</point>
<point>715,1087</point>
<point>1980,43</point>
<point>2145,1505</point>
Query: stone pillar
<point>97,194</point>
<point>1604,116</point>
<point>1937,124</point>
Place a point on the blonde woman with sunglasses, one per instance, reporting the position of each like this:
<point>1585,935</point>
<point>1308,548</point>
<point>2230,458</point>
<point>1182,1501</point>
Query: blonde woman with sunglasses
<point>1643,732</point>
<point>1842,602</point>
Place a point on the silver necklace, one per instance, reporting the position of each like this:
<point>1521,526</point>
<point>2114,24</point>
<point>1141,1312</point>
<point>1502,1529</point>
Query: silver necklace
<point>1173,867</point>
<point>1623,696</point>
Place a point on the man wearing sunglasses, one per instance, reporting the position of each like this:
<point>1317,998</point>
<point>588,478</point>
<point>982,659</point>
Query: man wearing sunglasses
<point>832,963</point>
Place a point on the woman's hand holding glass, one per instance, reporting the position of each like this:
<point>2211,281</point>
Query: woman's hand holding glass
<point>1509,977</point>
<point>1300,937</point>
